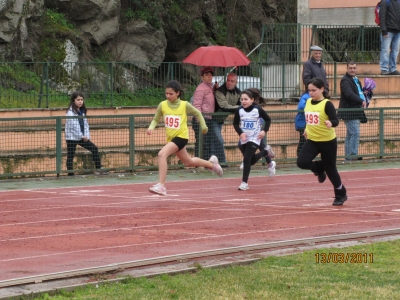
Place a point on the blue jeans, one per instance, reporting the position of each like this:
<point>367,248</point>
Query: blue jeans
<point>352,138</point>
<point>208,146</point>
<point>389,51</point>
<point>218,149</point>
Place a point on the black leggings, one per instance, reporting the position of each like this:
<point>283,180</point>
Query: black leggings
<point>327,163</point>
<point>250,158</point>
<point>71,148</point>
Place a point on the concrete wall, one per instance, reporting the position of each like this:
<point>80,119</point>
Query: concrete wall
<point>336,12</point>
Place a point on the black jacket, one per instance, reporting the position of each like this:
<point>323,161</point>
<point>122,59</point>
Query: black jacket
<point>389,15</point>
<point>350,98</point>
<point>234,100</point>
<point>312,69</point>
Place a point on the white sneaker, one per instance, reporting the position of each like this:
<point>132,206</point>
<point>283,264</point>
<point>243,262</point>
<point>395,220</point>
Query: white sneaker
<point>217,168</point>
<point>271,169</point>
<point>241,166</point>
<point>243,186</point>
<point>270,152</point>
<point>158,189</point>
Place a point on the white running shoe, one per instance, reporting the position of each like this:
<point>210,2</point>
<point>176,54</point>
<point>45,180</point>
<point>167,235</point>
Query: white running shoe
<point>270,152</point>
<point>271,169</point>
<point>243,186</point>
<point>158,189</point>
<point>217,168</point>
<point>241,166</point>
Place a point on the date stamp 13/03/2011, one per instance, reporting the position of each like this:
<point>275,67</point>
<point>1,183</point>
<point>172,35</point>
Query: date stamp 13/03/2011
<point>344,258</point>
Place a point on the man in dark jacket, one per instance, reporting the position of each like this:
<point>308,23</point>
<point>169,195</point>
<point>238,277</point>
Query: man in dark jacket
<point>389,15</point>
<point>351,96</point>
<point>314,68</point>
<point>227,99</point>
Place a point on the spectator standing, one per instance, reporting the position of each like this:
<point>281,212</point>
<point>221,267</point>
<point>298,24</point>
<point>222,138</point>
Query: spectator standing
<point>300,121</point>
<point>314,67</point>
<point>77,132</point>
<point>227,99</point>
<point>389,15</point>
<point>204,101</point>
<point>351,96</point>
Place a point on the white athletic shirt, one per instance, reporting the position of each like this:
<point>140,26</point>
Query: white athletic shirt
<point>251,124</point>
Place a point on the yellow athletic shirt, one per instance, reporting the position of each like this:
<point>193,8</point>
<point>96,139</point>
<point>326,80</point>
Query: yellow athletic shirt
<point>175,120</point>
<point>315,122</point>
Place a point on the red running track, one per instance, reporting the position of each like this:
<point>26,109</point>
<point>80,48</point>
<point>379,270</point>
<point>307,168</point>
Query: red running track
<point>61,229</point>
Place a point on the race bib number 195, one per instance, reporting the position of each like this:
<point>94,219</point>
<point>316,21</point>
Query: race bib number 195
<point>173,122</point>
<point>312,118</point>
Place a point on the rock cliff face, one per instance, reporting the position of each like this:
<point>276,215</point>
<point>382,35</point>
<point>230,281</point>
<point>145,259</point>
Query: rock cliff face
<point>134,37</point>
<point>147,30</point>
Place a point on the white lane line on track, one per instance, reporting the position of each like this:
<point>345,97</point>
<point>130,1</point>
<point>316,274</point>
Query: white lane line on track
<point>168,224</point>
<point>231,194</point>
<point>370,178</point>
<point>111,216</point>
<point>204,201</point>
<point>87,191</point>
<point>348,210</point>
<point>188,239</point>
<point>146,194</point>
<point>238,200</point>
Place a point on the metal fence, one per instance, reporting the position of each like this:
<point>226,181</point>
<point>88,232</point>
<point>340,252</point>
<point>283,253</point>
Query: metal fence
<point>48,85</point>
<point>275,69</point>
<point>36,146</point>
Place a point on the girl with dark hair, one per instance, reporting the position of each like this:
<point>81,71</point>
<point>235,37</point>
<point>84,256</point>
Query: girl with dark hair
<point>248,123</point>
<point>77,132</point>
<point>175,111</point>
<point>321,139</point>
<point>259,100</point>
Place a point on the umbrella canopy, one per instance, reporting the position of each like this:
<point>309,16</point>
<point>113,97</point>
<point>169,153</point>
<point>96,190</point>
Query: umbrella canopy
<point>217,56</point>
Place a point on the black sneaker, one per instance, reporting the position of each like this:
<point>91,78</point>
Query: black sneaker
<point>395,72</point>
<point>340,196</point>
<point>321,177</point>
<point>339,200</point>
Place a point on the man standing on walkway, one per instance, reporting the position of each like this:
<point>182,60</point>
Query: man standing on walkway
<point>314,67</point>
<point>389,15</point>
<point>227,99</point>
<point>351,96</point>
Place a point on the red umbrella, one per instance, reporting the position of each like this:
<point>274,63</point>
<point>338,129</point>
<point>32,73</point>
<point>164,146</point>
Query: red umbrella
<point>217,56</point>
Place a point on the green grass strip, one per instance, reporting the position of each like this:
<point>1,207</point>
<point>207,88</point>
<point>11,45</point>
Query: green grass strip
<point>369,271</point>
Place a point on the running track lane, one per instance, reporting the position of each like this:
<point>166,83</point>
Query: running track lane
<point>61,229</point>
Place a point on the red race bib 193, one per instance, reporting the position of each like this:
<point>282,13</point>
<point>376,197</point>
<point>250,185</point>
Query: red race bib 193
<point>312,118</point>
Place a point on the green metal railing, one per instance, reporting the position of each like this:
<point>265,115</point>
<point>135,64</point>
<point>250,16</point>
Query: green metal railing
<point>37,147</point>
<point>275,68</point>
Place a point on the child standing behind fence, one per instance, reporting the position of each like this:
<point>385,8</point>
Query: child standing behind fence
<point>248,122</point>
<point>175,112</point>
<point>77,132</point>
